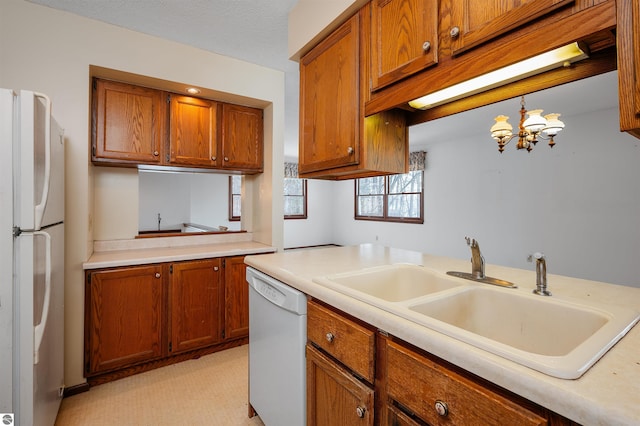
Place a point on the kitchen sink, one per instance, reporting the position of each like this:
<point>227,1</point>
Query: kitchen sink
<point>390,283</point>
<point>557,336</point>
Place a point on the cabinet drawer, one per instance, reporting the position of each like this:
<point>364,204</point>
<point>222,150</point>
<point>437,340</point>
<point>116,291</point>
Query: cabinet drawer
<point>419,384</point>
<point>347,341</point>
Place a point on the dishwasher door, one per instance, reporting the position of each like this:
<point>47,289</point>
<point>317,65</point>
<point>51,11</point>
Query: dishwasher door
<point>277,338</point>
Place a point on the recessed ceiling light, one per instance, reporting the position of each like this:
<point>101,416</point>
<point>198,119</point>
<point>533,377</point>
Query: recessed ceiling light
<point>193,90</point>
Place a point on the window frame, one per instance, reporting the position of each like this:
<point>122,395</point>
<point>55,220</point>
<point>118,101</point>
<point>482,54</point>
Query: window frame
<point>304,196</point>
<point>232,217</point>
<point>385,203</point>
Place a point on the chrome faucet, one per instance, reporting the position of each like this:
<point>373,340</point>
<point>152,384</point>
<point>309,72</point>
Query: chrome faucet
<point>541,273</point>
<point>477,261</point>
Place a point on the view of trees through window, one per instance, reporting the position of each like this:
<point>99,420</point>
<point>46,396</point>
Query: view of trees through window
<point>295,198</point>
<point>391,198</point>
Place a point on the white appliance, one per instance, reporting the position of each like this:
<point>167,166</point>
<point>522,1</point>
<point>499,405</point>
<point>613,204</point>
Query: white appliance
<point>277,338</point>
<point>31,260</point>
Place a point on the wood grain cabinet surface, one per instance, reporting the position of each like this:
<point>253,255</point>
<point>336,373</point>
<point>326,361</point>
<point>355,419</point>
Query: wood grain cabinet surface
<point>196,304</point>
<point>142,317</point>
<point>138,126</point>
<point>336,141</point>
<point>193,127</point>
<point>124,317</point>
<point>128,123</point>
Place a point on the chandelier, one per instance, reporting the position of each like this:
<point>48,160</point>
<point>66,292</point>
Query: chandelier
<point>529,130</point>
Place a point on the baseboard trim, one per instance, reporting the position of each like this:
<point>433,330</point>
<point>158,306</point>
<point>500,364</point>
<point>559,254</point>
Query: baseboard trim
<point>76,389</point>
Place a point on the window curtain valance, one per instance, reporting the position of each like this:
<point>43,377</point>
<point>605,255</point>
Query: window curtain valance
<point>417,160</point>
<point>291,170</point>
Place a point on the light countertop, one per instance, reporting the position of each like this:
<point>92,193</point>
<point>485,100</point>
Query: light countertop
<point>109,254</point>
<point>607,394</point>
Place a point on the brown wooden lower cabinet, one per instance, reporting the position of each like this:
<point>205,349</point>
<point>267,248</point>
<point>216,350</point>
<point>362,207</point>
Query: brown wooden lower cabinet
<point>334,395</point>
<point>142,317</point>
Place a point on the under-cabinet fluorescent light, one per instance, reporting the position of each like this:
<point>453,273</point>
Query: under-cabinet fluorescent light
<point>562,56</point>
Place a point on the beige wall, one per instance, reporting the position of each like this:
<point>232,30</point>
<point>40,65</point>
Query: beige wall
<point>312,20</point>
<point>51,51</point>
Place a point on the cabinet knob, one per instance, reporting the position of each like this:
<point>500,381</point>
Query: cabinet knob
<point>441,408</point>
<point>426,46</point>
<point>213,158</point>
<point>360,411</point>
<point>156,153</point>
<point>455,32</point>
<point>330,337</point>
<point>157,274</point>
<point>226,158</point>
<point>350,150</point>
<point>215,268</point>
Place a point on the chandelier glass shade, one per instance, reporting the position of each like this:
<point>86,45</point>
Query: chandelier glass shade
<point>531,128</point>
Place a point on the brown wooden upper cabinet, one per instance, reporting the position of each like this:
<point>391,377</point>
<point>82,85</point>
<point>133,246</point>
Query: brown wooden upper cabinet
<point>336,142</point>
<point>242,136</point>
<point>193,131</point>
<point>128,124</point>
<point>404,38</point>
<point>475,22</point>
<point>133,125</point>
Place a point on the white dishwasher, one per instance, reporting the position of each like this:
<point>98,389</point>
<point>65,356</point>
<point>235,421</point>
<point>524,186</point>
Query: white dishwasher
<point>277,338</point>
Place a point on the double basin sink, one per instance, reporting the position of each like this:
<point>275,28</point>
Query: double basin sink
<point>557,336</point>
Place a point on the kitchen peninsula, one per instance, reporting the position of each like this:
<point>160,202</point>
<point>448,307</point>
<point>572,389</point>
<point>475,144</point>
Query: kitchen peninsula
<point>607,393</point>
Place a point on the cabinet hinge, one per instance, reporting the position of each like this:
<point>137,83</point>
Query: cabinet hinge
<point>168,99</point>
<point>224,262</point>
<point>223,334</point>
<point>93,150</point>
<point>89,279</point>
<point>95,84</point>
<point>170,346</point>
<point>171,269</point>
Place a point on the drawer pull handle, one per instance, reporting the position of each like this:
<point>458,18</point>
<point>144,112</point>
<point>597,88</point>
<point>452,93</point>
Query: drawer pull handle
<point>330,337</point>
<point>441,408</point>
<point>360,411</point>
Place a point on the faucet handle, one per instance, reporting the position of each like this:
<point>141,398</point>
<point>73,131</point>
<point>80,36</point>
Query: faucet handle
<point>471,242</point>
<point>537,256</point>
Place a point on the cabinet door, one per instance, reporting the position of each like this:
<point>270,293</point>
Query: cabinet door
<point>475,22</point>
<point>404,38</point>
<point>440,396</point>
<point>242,142</point>
<point>628,49</point>
<point>124,317</point>
<point>195,304</point>
<point>128,123</point>
<point>329,101</point>
<point>334,396</point>
<point>236,298</point>
<point>193,131</point>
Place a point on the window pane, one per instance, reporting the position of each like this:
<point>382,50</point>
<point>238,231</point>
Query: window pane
<point>407,205</point>
<point>293,206</point>
<point>373,185</point>
<point>236,184</point>
<point>407,182</point>
<point>371,206</point>
<point>293,186</point>
<point>237,203</point>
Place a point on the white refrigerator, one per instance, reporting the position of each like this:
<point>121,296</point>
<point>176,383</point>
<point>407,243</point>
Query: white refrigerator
<point>31,260</point>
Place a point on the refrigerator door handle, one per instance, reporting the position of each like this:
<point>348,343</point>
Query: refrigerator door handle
<point>39,208</point>
<point>39,329</point>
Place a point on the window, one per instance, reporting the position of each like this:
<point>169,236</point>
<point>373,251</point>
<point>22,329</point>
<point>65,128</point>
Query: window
<point>235,197</point>
<point>295,198</point>
<point>394,198</point>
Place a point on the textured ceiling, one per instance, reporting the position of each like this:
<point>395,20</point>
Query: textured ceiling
<point>256,31</point>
